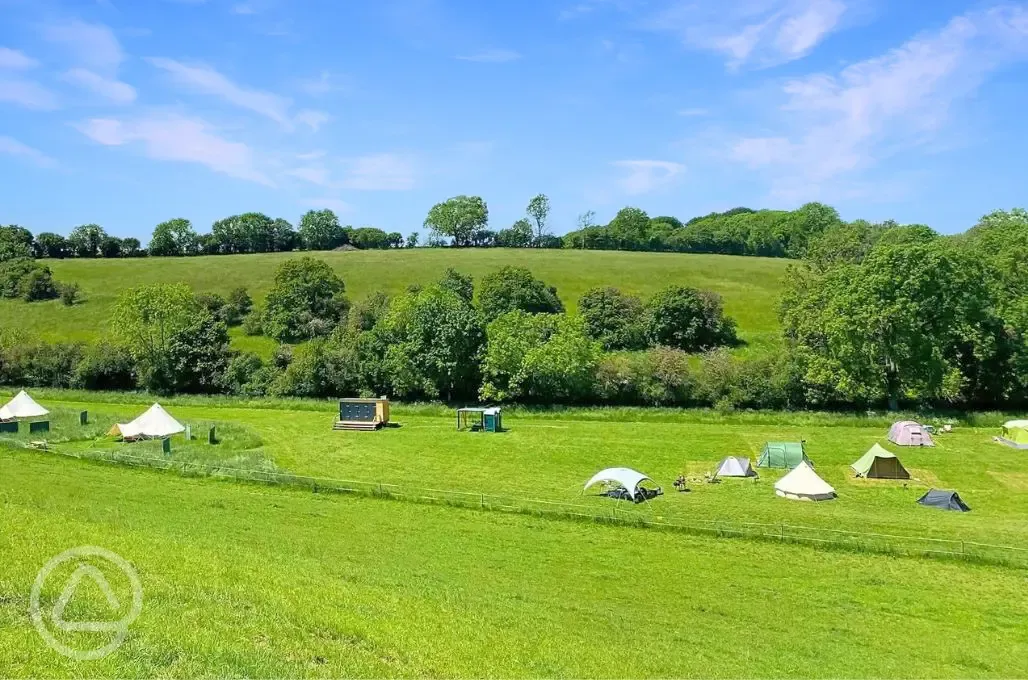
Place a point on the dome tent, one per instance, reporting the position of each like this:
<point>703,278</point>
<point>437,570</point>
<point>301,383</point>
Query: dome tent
<point>909,433</point>
<point>1015,434</point>
<point>944,500</point>
<point>880,463</point>
<point>735,467</point>
<point>623,478</point>
<point>21,406</point>
<point>803,484</point>
<point>155,423</point>
<point>782,455</point>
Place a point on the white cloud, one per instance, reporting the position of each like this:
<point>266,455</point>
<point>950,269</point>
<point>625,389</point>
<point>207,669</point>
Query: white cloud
<point>758,32</point>
<point>380,172</point>
<point>312,119</point>
<point>109,88</point>
<point>642,177</point>
<point>177,138</point>
<point>92,45</point>
<point>835,125</point>
<point>492,56</point>
<point>314,175</point>
<point>15,60</point>
<point>27,94</point>
<point>334,204</point>
<point>13,147</point>
<point>206,80</point>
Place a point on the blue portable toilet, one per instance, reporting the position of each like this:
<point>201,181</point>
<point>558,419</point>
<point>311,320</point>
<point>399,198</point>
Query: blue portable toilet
<point>492,420</point>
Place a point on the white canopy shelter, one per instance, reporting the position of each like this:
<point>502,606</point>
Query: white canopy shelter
<point>154,423</point>
<point>22,406</point>
<point>625,477</point>
<point>803,484</point>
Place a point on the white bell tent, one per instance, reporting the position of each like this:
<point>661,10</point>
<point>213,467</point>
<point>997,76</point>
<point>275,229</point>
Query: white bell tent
<point>803,484</point>
<point>22,406</point>
<point>155,423</point>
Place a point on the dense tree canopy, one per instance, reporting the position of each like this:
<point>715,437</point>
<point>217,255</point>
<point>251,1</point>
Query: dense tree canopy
<point>306,300</point>
<point>173,238</point>
<point>460,218</point>
<point>511,288</point>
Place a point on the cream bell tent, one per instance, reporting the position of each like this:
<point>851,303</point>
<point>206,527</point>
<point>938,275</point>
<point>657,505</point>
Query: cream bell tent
<point>735,467</point>
<point>22,406</point>
<point>623,478</point>
<point>803,484</point>
<point>154,424</point>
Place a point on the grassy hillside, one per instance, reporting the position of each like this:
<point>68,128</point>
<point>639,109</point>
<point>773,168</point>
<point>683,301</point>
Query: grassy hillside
<point>749,285</point>
<point>258,582</point>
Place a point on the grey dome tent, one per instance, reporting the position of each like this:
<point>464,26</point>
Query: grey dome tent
<point>944,500</point>
<point>735,467</point>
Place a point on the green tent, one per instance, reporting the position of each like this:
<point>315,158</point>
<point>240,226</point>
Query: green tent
<point>1015,433</point>
<point>782,455</point>
<point>879,463</point>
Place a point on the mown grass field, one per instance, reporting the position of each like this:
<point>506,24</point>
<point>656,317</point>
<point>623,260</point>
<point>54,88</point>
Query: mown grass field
<point>242,580</point>
<point>749,285</point>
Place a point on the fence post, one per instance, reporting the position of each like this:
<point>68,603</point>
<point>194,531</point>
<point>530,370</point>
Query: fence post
<point>482,502</point>
<point>783,532</point>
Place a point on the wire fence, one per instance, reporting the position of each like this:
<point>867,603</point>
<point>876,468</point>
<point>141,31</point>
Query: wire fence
<point>620,513</point>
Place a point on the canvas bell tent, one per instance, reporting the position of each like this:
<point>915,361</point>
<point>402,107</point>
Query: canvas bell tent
<point>803,484</point>
<point>21,406</point>
<point>944,500</point>
<point>878,463</point>
<point>909,433</point>
<point>1015,434</point>
<point>623,482</point>
<point>735,467</point>
<point>154,424</point>
<point>785,455</point>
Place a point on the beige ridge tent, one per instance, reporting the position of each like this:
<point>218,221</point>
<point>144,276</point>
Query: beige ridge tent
<point>154,424</point>
<point>803,484</point>
<point>21,406</point>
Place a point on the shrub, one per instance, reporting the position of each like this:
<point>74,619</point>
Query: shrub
<point>461,284</point>
<point>365,314</point>
<point>253,323</point>
<point>688,319</point>
<point>37,285</point>
<point>105,366</point>
<point>238,306</point>
<point>213,304</point>
<point>511,288</point>
<point>12,273</point>
<point>51,364</point>
<point>613,318</point>
<point>69,293</point>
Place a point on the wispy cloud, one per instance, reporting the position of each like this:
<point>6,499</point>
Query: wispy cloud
<point>15,61</point>
<point>312,119</point>
<point>205,80</point>
<point>92,45</point>
<point>27,94</point>
<point>757,32</point>
<point>492,56</point>
<point>12,147</point>
<point>109,88</point>
<point>837,125</point>
<point>321,85</point>
<point>380,172</point>
<point>643,177</point>
<point>178,138</point>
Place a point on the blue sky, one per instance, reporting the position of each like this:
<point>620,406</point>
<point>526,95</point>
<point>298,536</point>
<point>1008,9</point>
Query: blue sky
<point>127,113</point>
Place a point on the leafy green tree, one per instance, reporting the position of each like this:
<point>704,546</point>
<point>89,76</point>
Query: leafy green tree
<point>131,247</point>
<point>511,288</point>
<point>394,239</point>
<point>283,238</point>
<point>147,320</point>
<point>86,240</point>
<point>539,210</point>
<point>843,244</point>
<point>50,245</point>
<point>105,366</point>
<point>412,239</point>
<point>198,357</point>
<point>674,222</point>
<point>688,319</point>
<point>110,247</point>
<point>629,228</point>
<point>306,301</point>
<point>433,338</point>
<point>366,313</point>
<point>518,235</point>
<point>12,273</point>
<point>613,318</point>
<point>369,238</point>
<point>461,284</point>
<point>38,284</point>
<point>15,242</point>
<point>237,306</point>
<point>460,218</point>
<point>320,230</point>
<point>174,238</point>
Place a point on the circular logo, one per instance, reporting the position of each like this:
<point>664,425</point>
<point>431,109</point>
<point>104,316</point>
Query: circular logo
<point>88,558</point>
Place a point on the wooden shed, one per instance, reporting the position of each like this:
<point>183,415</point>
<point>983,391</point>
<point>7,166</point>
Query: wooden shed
<point>362,414</point>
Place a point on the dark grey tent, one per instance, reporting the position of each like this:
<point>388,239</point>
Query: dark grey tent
<point>944,500</point>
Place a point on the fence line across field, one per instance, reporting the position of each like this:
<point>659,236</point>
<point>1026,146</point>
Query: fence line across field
<point>617,513</point>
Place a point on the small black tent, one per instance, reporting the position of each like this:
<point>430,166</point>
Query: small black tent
<point>944,500</point>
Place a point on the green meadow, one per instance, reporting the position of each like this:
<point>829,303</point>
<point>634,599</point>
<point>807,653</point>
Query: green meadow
<point>749,285</point>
